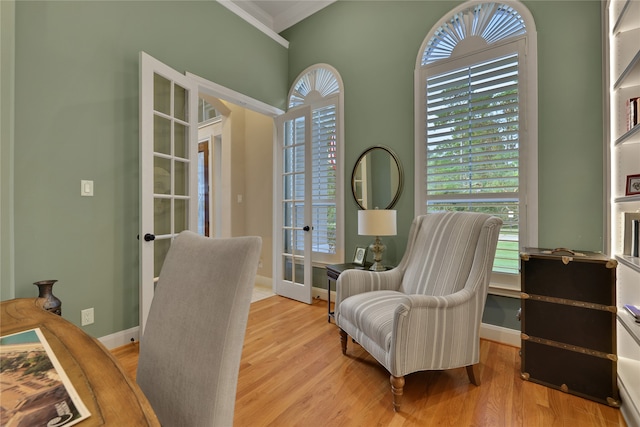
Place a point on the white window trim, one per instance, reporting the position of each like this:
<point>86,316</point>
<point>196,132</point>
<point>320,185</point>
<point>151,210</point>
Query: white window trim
<point>501,284</point>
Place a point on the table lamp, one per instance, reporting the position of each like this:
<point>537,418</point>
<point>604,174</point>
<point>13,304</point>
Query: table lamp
<point>377,222</point>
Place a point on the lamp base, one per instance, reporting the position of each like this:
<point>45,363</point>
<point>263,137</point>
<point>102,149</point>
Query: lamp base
<point>377,248</point>
<point>377,266</point>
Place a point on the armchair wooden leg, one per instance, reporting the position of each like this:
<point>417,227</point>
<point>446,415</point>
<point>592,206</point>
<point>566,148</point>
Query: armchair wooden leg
<point>474,375</point>
<point>397,387</point>
<point>343,341</point>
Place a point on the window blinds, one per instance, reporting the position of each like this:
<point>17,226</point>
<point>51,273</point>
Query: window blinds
<point>323,185</point>
<point>473,147</point>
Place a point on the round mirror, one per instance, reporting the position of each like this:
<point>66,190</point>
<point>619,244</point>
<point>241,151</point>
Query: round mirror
<point>376,180</point>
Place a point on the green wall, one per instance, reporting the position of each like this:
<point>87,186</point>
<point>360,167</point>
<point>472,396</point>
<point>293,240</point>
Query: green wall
<point>76,117</point>
<point>7,60</point>
<point>374,46</point>
<point>570,148</point>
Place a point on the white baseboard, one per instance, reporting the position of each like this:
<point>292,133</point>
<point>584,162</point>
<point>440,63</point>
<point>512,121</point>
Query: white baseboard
<point>118,339</point>
<point>321,293</point>
<point>264,282</point>
<point>500,334</point>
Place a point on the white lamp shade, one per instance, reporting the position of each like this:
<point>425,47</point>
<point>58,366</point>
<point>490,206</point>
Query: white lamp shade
<point>377,222</point>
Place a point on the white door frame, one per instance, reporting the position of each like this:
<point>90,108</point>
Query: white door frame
<point>212,89</point>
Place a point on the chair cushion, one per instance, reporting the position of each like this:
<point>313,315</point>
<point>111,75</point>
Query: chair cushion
<point>371,313</point>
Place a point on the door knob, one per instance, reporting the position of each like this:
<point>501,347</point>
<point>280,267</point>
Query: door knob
<point>149,237</point>
<point>306,228</point>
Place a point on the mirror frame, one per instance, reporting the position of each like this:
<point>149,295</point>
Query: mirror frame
<point>400,175</point>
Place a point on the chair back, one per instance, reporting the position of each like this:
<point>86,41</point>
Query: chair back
<point>440,252</point>
<point>192,344</point>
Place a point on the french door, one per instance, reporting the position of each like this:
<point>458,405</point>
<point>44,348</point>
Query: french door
<point>168,167</point>
<point>292,231</point>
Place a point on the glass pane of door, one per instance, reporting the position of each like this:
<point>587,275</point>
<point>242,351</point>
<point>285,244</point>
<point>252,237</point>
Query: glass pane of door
<point>171,165</point>
<point>293,201</point>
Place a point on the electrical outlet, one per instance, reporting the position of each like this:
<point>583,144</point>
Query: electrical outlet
<point>87,316</point>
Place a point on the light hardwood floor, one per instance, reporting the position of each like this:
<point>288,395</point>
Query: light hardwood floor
<point>293,373</point>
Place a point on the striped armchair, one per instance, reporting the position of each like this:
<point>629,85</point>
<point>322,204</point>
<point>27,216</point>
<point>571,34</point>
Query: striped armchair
<point>424,314</point>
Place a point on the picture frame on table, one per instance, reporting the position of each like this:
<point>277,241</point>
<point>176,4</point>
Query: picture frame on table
<point>633,185</point>
<point>360,255</point>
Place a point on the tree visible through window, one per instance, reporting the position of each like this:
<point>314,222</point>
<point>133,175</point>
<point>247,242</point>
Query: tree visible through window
<point>471,72</point>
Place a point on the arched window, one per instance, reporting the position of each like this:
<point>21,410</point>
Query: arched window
<point>476,132</point>
<point>320,88</point>
<point>315,84</point>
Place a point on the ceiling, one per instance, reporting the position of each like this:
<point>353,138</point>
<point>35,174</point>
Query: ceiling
<point>280,15</point>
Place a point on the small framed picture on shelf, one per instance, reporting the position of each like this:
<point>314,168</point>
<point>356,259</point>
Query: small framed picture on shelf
<point>360,256</point>
<point>633,185</point>
<point>631,230</point>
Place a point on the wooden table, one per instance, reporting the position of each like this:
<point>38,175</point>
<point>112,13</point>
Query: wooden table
<point>112,398</point>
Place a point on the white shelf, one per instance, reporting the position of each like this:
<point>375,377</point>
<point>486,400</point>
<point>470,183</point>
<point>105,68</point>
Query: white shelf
<point>631,74</point>
<point>627,199</point>
<point>629,324</point>
<point>629,17</point>
<point>633,262</point>
<point>632,136</point>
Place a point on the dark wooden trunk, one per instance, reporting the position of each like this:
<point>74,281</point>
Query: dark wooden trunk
<point>569,322</point>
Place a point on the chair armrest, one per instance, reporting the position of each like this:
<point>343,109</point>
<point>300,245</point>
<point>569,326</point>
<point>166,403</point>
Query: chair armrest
<point>417,302</point>
<point>414,309</point>
<point>353,282</point>
<point>423,323</point>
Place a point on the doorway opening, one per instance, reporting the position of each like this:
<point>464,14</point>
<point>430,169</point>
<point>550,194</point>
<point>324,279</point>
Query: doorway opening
<point>235,170</point>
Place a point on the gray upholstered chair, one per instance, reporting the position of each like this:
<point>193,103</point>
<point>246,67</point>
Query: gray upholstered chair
<point>190,352</point>
<point>426,313</point>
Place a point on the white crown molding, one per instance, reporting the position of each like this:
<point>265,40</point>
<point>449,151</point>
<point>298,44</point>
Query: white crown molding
<point>252,8</point>
<point>271,17</point>
<point>254,21</point>
<point>298,11</point>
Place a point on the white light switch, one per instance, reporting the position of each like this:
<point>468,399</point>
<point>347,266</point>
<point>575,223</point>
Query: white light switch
<point>86,188</point>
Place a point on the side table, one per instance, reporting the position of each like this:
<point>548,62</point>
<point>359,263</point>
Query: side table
<point>333,271</point>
